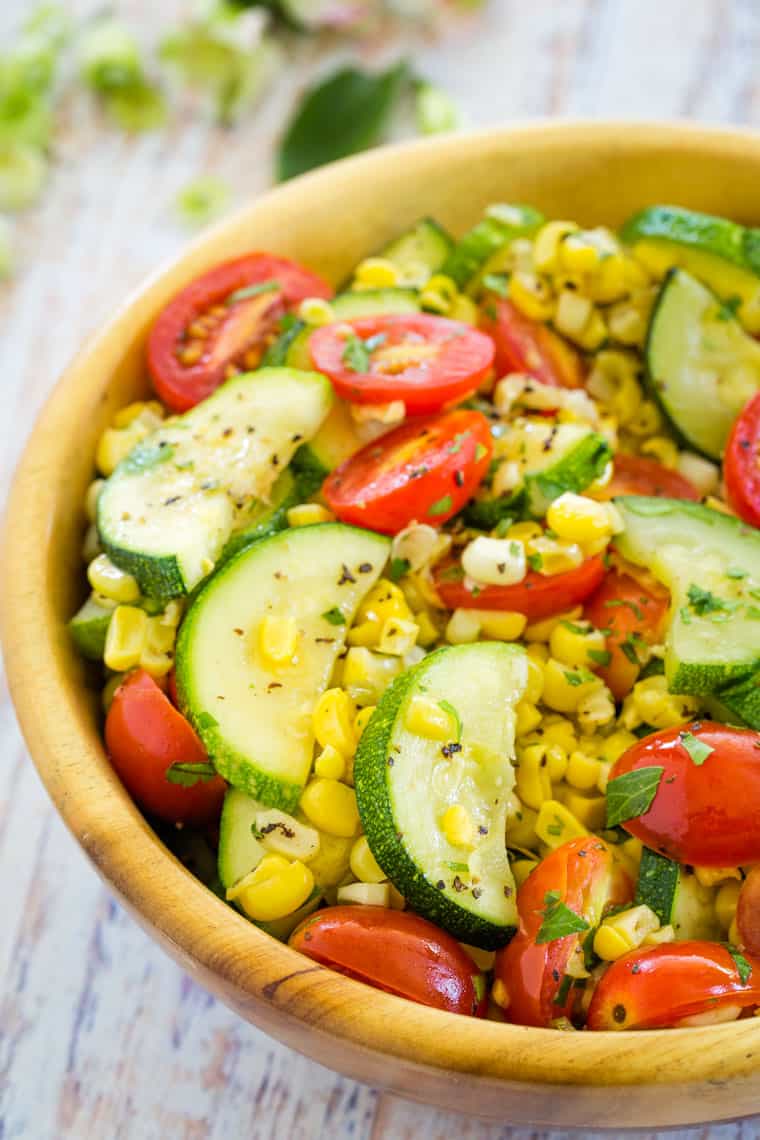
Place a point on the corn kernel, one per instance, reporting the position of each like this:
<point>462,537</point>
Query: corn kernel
<point>595,333</point>
<point>385,600</point>
<point>548,242</point>
<point>573,313</point>
<point>615,745</point>
<point>376,273</point>
<point>333,722</point>
<point>632,849</point>
<point>427,630</point>
<point>307,514</point>
<point>149,412</point>
<point>559,730</point>
<point>556,760</point>
<point>582,771</point>
<point>462,628</point>
<point>125,639</point>
<point>114,445</point>
<point>284,835</point>
<point>726,902</point>
<point>366,675</point>
<point>579,254</point>
<point>662,449</point>
<point>590,811</point>
<point>609,944</point>
<point>156,663</point>
<point>439,294</point>
<point>532,780</point>
<point>734,937</point>
<point>564,688</point>
<point>532,295</point>
<point>331,806</point>
<point>580,519</point>
<point>701,472</point>
<point>363,863</point>
<point>556,824</point>
<point>464,309</point>
<point>629,927</point>
<point>657,937</point>
<point>527,717</point>
<point>556,556</point>
<point>330,764</point>
<point>397,636</point>
<point>647,420</point>
<point>570,643</point>
<point>316,311</point>
<point>365,894</point>
<point>609,283</point>
<point>361,720</point>
<point>426,718</point>
<point>521,868</point>
<point>457,826</point>
<point>627,324</point>
<point>520,824</point>
<point>711,876</point>
<point>535,684</point>
<point>108,580</point>
<point>495,561</point>
<point>91,499</point>
<point>537,652</point>
<point>365,634</point>
<point>277,639</point>
<point>596,709</point>
<point>651,703</point>
<point>274,889</point>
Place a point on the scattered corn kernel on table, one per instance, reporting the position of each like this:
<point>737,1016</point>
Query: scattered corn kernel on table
<point>101,1035</point>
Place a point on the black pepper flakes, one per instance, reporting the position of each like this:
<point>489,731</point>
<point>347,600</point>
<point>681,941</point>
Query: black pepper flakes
<point>346,576</point>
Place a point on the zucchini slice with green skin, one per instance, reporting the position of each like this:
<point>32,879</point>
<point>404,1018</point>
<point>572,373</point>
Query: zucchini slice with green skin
<point>677,897</point>
<point>89,628</point>
<point>167,511</point>
<point>419,253</point>
<point>254,718</point>
<point>701,366</point>
<point>264,519</point>
<point>502,224</point>
<point>406,782</point>
<point>710,562</point>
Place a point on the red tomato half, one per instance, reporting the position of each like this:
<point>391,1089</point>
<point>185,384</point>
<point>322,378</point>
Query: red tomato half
<point>631,615</point>
<point>428,362</point>
<point>424,470</point>
<point>395,951</point>
<point>581,875</point>
<point>741,463</point>
<point>537,596</point>
<point>638,475</point>
<point>206,333</point>
<point>145,735</point>
<point>706,813</point>
<point>523,345</point>
<point>657,988</point>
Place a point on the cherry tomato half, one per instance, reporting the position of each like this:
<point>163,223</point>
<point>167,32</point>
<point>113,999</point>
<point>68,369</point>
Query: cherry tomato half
<point>705,811</point>
<point>662,986</point>
<point>219,323</point>
<point>632,615</point>
<point>428,362</point>
<point>425,470</point>
<point>537,596</point>
<point>741,463</point>
<point>638,475</point>
<point>145,736</point>
<point>395,951</point>
<point>583,876</point>
<point>523,345</point>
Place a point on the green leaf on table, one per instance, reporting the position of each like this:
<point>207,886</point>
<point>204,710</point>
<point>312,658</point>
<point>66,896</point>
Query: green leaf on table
<point>631,795</point>
<point>339,116</point>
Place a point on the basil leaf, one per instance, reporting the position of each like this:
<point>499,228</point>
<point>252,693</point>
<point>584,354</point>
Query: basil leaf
<point>631,795</point>
<point>600,656</point>
<point>742,965</point>
<point>342,115</point>
<point>559,920</point>
<point>188,775</point>
<point>697,749</point>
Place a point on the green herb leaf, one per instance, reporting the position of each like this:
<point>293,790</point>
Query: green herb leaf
<point>188,775</point>
<point>436,112</point>
<point>458,866</point>
<point>697,749</point>
<point>736,572</point>
<point>356,354</point>
<point>253,291</point>
<point>497,283</point>
<point>561,995</point>
<point>629,647</point>
<point>703,601</point>
<point>342,115</point>
<point>202,200</point>
<point>559,920</point>
<point>742,965</point>
<point>535,561</point>
<point>728,309</point>
<point>449,708</point>
<point>637,612</point>
<point>335,616</point>
<point>571,625</point>
<point>398,568</point>
<point>631,795</point>
<point>599,656</point>
<point>441,506</point>
<point>579,677</point>
<point>205,720</point>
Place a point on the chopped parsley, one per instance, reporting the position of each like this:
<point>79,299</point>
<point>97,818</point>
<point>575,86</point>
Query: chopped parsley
<point>632,643</point>
<point>335,616</point>
<point>579,677</point>
<point>736,572</point>
<point>558,920</point>
<point>742,965</point>
<point>440,506</point>
<point>456,444</point>
<point>697,749</point>
<point>398,568</point>
<point>704,602</point>
<point>728,309</point>
<point>253,291</point>
<point>600,656</point>
<point>449,708</point>
<point>356,354</point>
<point>188,775</point>
<point>571,625</point>
<point>631,795</point>
<point>637,611</point>
<point>535,561</point>
<point>496,283</point>
<point>205,720</point>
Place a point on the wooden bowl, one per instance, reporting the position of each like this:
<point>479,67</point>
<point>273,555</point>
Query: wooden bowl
<point>329,220</point>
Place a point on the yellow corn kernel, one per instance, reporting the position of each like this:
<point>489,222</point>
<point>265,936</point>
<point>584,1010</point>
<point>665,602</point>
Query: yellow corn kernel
<point>701,472</point>
<point>647,420</point>
<point>556,556</point>
<point>274,889</point>
<point>726,901</point>
<point>365,894</point>
<point>609,283</point>
<point>332,720</point>
<point>331,806</point>
<point>500,994</point>
<point>520,824</point>
<point>426,718</point>
<point>500,625</point>
<point>604,776</point>
<point>564,688</point>
<point>397,636</point>
<point>734,937</point>
<point>159,637</point>
<point>711,876</point>
<point>385,600</point>
<point>464,309</point>
<point>537,652</point>
<point>108,580</point>
<point>307,514</point>
<point>376,273</point>
<point>91,547</point>
<point>366,675</point>
<point>532,781</point>
<point>521,868</point>
<point>629,927</point>
<point>579,254</point>
<point>591,811</point>
<point>494,561</point>
<point>156,663</point>
<point>579,519</point>
<point>330,764</point>
<point>532,295</point>
<point>316,311</point>
<point>125,640</point>
<point>114,445</point>
<point>277,638</point>
<point>556,759</point>
<point>595,333</point>
<point>582,771</point>
<point>527,717</point>
<point>462,628</point>
<point>596,709</point>
<point>570,643</point>
<point>91,499</point>
<point>651,703</point>
<point>556,824</point>
<point>362,719</point>
<point>662,449</point>
<point>366,634</point>
<point>457,826</point>
<point>548,243</point>
<point>150,411</point>
<point>535,685</point>
<point>522,531</point>
<point>614,745</point>
<point>573,313</point>
<point>632,850</point>
<point>364,864</point>
<point>427,630</point>
<point>439,294</point>
<point>627,324</point>
<point>657,937</point>
<point>559,730</point>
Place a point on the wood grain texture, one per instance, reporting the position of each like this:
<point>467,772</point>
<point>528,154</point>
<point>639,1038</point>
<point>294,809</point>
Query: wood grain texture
<point>101,1035</point>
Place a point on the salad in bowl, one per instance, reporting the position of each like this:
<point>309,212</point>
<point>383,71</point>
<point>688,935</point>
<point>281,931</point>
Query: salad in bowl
<point>425,612</point>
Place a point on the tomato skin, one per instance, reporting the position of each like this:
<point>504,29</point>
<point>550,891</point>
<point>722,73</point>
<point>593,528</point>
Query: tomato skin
<point>182,386</point>
<point>395,951</point>
<point>536,596</point>
<point>145,735</point>
<point>462,359</point>
<point>587,879</point>
<point>523,345</point>
<point>659,986</point>
<point>740,463</point>
<point>706,814</point>
<point>628,610</point>
<point>639,475</point>
<point>748,912</point>
<point>436,462</point>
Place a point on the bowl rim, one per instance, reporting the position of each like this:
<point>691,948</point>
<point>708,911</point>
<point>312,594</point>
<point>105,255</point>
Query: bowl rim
<point>263,978</point>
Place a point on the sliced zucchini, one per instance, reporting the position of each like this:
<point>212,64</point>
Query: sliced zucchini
<point>169,508</point>
<point>405,782</point>
<point>677,897</point>
<point>701,366</point>
<point>335,441</point>
<point>739,702</point>
<point>263,519</point>
<point>502,224</point>
<point>419,253</point>
<point>710,562</point>
<point>253,715</point>
<point>722,254</point>
<point>89,627</point>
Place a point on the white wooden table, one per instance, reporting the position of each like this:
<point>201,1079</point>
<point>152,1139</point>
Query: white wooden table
<point>101,1036</point>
